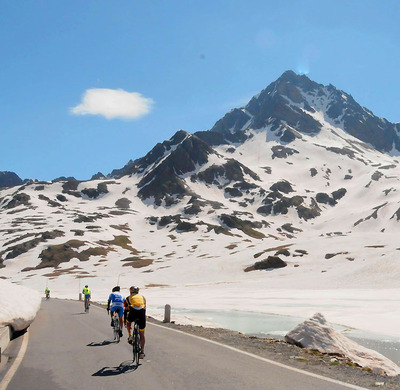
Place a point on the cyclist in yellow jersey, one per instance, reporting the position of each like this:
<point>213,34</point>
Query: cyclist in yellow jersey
<point>87,294</point>
<point>135,309</point>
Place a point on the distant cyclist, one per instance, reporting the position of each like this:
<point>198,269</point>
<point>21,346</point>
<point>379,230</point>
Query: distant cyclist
<point>135,309</point>
<point>47,293</point>
<point>86,293</point>
<point>116,304</point>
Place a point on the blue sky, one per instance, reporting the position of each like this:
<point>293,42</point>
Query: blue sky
<point>85,86</point>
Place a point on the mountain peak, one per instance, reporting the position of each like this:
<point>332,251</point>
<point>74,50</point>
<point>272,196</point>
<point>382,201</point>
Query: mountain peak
<point>289,75</point>
<point>290,104</point>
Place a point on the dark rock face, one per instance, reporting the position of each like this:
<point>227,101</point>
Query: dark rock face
<point>98,176</point>
<point>233,192</point>
<point>339,194</point>
<point>18,200</point>
<point>186,227</point>
<point>94,193</point>
<point>50,202</point>
<point>165,178</point>
<point>271,262</point>
<point>230,171</point>
<point>63,178</point>
<point>247,227</point>
<point>282,186</point>
<point>280,151</point>
<point>71,185</point>
<point>9,179</point>
<point>123,203</point>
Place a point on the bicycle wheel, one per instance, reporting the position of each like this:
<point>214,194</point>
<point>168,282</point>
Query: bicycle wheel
<point>136,345</point>
<point>116,328</point>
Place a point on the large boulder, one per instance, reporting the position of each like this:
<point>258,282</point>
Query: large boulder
<point>317,334</point>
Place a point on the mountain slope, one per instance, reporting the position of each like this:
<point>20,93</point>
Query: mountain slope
<point>299,173</point>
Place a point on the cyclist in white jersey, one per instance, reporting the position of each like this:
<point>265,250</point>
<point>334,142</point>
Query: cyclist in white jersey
<point>116,304</point>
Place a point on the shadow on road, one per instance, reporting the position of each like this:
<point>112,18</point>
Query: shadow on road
<point>123,368</point>
<point>78,314</point>
<point>102,343</point>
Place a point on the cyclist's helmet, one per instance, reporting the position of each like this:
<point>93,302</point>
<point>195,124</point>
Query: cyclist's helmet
<point>134,289</point>
<point>116,288</point>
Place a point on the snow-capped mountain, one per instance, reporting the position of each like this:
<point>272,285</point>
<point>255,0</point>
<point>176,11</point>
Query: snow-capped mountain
<point>302,181</point>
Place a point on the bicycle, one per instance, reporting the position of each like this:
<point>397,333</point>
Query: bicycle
<point>47,295</point>
<point>116,327</point>
<point>136,349</point>
<point>87,305</point>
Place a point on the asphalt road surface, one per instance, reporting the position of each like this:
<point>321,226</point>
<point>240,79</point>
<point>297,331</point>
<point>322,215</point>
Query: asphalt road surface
<point>68,349</point>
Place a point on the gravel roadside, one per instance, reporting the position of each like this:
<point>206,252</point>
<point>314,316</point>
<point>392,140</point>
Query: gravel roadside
<point>331,366</point>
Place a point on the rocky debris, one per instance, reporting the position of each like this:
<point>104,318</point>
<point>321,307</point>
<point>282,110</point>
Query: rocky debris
<point>54,255</point>
<point>376,175</point>
<point>281,186</point>
<point>185,226</point>
<point>330,255</point>
<point>339,194</point>
<point>70,187</point>
<point>247,227</point>
<point>94,193</point>
<point>50,202</point>
<point>280,151</point>
<point>232,192</point>
<point>231,171</point>
<point>19,199</point>
<point>324,198</point>
<point>123,203</point>
<point>317,334</point>
<point>290,228</point>
<point>63,178</point>
<point>271,262</point>
<point>136,262</point>
<point>61,198</point>
<point>81,218</point>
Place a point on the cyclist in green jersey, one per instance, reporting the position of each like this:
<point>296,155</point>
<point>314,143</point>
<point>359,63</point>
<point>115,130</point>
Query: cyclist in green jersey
<point>87,295</point>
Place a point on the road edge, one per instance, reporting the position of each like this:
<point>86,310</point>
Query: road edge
<point>298,370</point>
<point>10,372</point>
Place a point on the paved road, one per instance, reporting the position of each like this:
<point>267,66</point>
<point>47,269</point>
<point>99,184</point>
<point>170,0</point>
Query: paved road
<point>68,349</point>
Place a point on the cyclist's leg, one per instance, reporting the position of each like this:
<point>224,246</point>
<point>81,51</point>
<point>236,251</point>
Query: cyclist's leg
<point>142,339</point>
<point>142,327</point>
<point>129,328</point>
<point>121,317</point>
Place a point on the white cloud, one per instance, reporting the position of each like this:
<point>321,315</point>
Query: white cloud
<point>113,103</point>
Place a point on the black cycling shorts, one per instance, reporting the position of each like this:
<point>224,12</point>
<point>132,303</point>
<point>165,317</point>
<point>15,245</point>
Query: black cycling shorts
<point>139,316</point>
